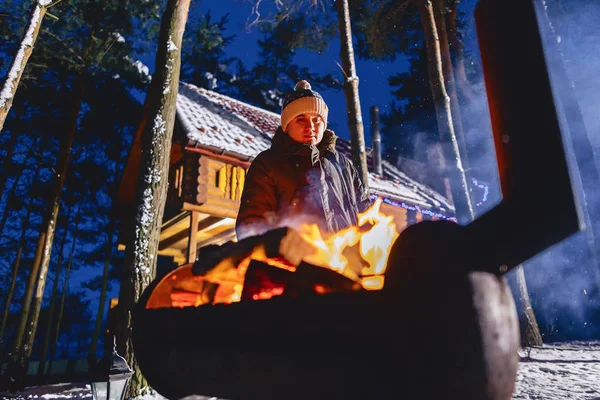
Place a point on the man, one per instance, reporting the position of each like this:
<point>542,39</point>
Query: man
<point>302,178</point>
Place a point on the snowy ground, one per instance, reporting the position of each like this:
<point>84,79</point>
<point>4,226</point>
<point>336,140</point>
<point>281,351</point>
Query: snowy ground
<point>560,371</point>
<point>554,371</point>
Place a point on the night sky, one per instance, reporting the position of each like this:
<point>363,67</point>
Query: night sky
<point>373,87</point>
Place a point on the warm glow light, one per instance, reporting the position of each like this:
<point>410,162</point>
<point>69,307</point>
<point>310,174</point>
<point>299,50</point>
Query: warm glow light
<point>374,243</point>
<point>374,282</point>
<point>329,252</point>
<point>359,252</point>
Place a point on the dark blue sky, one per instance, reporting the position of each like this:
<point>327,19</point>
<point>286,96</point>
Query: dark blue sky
<point>373,86</point>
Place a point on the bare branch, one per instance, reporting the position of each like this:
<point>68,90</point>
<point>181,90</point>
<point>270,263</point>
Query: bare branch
<point>253,12</point>
<point>73,52</point>
<point>343,72</point>
<point>53,4</point>
<point>106,51</point>
<point>293,7</point>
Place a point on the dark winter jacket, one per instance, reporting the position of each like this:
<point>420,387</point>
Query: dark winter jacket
<point>299,183</point>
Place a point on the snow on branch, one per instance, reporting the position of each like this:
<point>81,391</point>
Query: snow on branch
<point>17,67</point>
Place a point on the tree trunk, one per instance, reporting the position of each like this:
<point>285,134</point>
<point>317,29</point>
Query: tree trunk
<point>355,122</point>
<point>116,155</point>
<point>451,152</point>
<point>449,82</point>
<point>532,336</point>
<point>27,330</point>
<point>9,88</point>
<point>102,301</point>
<point>29,288</point>
<point>456,46</point>
<point>151,187</point>
<point>65,289</point>
<point>47,333</point>
<point>15,274</point>
<point>16,369</point>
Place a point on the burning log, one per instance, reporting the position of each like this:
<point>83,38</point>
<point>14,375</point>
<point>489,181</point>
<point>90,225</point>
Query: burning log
<point>251,267</point>
<point>263,281</point>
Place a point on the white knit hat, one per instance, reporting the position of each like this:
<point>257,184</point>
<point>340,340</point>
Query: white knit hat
<point>302,100</point>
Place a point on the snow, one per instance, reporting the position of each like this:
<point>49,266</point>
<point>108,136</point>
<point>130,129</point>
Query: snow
<point>145,218</point>
<point>211,79</point>
<point>141,67</point>
<point>57,391</point>
<point>207,121</point>
<point>170,45</point>
<point>551,372</point>
<point>169,66</point>
<point>119,37</point>
<point>273,97</point>
<point>559,371</point>
<point>11,78</point>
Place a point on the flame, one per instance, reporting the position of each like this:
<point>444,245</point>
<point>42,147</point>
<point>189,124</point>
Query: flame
<point>374,282</point>
<point>359,252</point>
<point>375,244</point>
<point>329,252</point>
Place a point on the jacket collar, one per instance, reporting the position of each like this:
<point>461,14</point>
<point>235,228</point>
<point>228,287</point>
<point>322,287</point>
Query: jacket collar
<point>283,142</point>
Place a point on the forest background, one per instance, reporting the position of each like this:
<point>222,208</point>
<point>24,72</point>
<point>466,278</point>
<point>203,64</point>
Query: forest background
<point>102,53</point>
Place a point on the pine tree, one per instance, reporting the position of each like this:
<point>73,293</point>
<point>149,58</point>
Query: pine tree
<point>266,83</point>
<point>203,60</point>
<point>381,37</point>
<point>87,44</point>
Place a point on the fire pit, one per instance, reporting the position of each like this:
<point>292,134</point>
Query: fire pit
<point>284,316</point>
<point>428,332</point>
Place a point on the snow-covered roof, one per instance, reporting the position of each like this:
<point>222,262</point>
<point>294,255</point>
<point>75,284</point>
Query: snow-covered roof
<point>228,126</point>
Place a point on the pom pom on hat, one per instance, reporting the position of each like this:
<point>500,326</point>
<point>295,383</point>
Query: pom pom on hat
<point>302,100</point>
<point>302,85</point>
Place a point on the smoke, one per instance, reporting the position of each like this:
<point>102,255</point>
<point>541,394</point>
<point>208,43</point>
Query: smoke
<point>564,280</point>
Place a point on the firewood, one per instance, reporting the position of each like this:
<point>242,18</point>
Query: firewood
<point>264,281</point>
<point>220,263</point>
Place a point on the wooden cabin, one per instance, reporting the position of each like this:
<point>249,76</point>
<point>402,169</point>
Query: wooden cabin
<point>215,140</point>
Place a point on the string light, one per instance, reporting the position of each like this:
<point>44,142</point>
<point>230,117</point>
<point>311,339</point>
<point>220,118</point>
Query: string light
<point>413,208</point>
<point>486,191</point>
<point>484,187</point>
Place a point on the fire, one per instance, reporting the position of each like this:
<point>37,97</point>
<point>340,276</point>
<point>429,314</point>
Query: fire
<point>374,245</point>
<point>358,252</point>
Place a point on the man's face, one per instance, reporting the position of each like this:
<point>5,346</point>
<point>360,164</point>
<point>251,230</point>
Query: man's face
<point>306,128</point>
